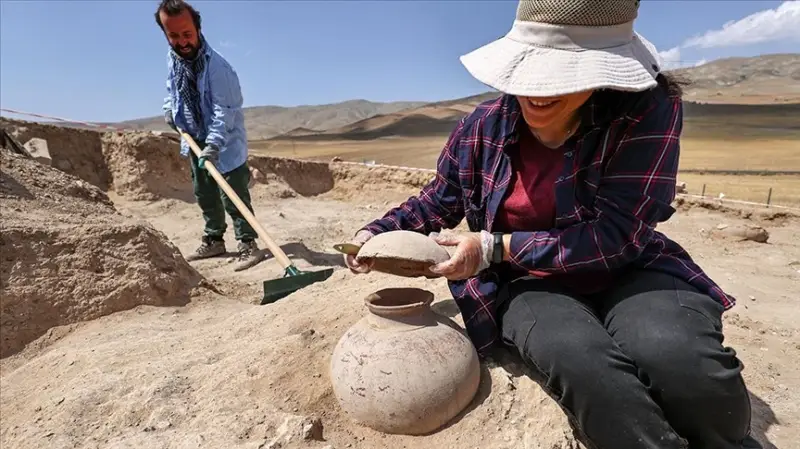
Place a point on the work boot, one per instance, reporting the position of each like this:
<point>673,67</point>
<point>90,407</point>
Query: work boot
<point>249,255</point>
<point>211,247</point>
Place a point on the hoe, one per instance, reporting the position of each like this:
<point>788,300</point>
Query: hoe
<point>293,279</point>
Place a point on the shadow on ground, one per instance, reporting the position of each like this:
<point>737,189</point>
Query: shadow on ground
<point>10,187</point>
<point>763,418</point>
<point>316,258</point>
<point>185,195</point>
<point>446,307</point>
<point>306,178</point>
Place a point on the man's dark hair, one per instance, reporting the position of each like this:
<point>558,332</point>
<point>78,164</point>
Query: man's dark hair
<point>175,7</point>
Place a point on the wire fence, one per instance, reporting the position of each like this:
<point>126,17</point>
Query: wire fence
<point>778,196</point>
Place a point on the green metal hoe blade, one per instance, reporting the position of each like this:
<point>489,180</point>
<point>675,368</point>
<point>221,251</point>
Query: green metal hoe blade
<point>292,280</point>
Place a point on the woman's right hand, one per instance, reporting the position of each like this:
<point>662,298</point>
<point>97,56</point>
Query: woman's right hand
<point>364,266</point>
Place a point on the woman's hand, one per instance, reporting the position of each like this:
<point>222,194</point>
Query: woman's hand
<point>365,266</point>
<point>471,256</point>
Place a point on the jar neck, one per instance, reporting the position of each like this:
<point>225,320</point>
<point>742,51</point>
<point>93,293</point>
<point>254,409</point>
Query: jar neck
<point>404,305</point>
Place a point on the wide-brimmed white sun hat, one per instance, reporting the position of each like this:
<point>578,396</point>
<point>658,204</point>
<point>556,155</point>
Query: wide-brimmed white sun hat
<point>558,47</point>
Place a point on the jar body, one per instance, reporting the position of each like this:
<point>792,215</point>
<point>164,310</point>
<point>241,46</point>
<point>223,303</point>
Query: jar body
<point>406,373</point>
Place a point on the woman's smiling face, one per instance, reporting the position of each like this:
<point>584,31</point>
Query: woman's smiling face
<point>556,112</point>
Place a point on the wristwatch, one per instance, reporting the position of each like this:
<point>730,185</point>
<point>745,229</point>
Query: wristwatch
<point>497,248</point>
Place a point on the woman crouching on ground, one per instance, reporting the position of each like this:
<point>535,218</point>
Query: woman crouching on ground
<point>562,181</point>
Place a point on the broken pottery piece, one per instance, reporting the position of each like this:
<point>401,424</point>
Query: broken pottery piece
<point>403,368</point>
<point>403,253</point>
<point>742,232</point>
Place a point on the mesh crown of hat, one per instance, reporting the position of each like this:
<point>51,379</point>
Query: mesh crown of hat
<point>578,12</point>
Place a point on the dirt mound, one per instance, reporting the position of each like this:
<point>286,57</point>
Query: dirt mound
<point>304,178</point>
<point>68,256</point>
<point>356,182</point>
<point>135,165</point>
<point>758,214</point>
<point>338,180</point>
<point>78,152</point>
<point>146,167</point>
<point>245,376</point>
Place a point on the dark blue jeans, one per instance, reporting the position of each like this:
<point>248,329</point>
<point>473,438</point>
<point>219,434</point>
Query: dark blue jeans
<point>640,365</point>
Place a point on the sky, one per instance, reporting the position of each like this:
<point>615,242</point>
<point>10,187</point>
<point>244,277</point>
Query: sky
<point>106,60</point>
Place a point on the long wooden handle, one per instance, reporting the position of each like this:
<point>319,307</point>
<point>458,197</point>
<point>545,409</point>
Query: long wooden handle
<point>276,250</point>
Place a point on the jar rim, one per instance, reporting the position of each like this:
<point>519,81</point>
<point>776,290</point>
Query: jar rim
<point>400,300</point>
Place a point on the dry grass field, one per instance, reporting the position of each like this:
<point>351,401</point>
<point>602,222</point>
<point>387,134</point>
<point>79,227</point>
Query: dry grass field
<point>420,152</point>
<point>743,155</point>
<point>740,154</point>
<point>696,154</point>
<point>721,139</point>
<point>755,188</point>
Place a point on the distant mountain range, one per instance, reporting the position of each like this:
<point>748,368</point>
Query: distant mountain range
<point>750,94</point>
<point>767,79</point>
<point>268,121</point>
<point>720,120</point>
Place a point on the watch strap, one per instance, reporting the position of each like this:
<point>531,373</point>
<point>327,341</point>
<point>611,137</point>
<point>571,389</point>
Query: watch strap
<point>497,248</point>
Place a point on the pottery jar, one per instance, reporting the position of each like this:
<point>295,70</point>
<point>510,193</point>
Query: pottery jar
<point>403,368</point>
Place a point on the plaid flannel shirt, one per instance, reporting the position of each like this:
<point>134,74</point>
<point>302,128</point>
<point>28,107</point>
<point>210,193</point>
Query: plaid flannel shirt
<point>617,184</point>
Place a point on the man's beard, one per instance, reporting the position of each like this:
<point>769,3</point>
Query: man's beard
<point>190,54</point>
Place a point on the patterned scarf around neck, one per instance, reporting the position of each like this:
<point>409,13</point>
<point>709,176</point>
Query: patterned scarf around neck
<point>186,73</point>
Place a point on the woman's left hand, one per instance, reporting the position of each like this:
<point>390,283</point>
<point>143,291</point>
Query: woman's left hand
<point>470,256</point>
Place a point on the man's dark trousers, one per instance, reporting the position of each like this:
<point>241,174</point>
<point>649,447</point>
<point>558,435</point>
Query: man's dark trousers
<point>214,202</point>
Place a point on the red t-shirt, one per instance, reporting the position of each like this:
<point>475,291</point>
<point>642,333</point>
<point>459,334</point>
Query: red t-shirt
<point>530,203</point>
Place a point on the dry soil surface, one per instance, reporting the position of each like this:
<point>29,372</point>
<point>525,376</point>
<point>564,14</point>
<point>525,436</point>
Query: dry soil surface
<point>223,371</point>
<point>191,367</point>
<point>69,256</point>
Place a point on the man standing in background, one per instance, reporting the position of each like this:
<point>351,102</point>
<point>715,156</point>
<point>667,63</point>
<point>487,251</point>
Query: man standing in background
<point>204,100</point>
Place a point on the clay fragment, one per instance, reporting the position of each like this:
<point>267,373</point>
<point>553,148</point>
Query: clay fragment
<point>403,253</point>
<point>742,232</point>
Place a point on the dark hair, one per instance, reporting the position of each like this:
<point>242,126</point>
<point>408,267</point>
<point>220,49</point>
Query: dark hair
<point>673,83</point>
<point>175,7</point>
<point>614,103</point>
